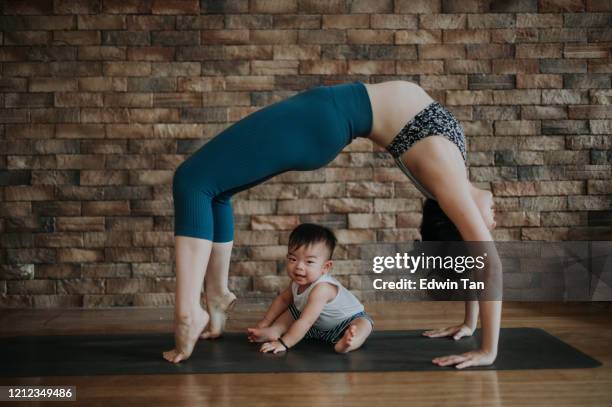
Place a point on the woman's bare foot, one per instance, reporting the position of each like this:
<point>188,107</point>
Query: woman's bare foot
<point>346,344</point>
<point>186,334</point>
<point>262,334</point>
<point>218,309</point>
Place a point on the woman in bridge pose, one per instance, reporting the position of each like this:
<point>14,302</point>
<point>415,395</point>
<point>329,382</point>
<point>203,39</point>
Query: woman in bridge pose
<point>305,132</point>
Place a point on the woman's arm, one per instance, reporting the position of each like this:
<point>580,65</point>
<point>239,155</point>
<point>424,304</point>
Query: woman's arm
<point>437,164</point>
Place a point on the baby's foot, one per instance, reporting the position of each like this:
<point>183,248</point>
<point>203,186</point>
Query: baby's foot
<point>346,344</point>
<point>218,309</point>
<point>262,334</point>
<point>185,336</point>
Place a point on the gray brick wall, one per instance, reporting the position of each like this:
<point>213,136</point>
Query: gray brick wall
<point>100,100</point>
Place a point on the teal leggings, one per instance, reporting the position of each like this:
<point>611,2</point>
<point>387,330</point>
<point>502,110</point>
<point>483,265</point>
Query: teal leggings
<point>303,133</point>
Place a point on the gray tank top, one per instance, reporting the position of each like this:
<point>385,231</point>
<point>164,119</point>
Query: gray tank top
<point>344,306</point>
<point>416,183</point>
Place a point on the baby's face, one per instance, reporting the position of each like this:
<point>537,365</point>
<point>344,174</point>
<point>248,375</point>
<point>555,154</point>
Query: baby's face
<point>307,263</point>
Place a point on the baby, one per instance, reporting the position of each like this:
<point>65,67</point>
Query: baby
<point>315,305</point>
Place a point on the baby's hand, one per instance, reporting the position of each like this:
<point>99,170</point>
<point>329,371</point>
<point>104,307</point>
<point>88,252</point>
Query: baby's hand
<point>262,324</point>
<point>457,332</point>
<point>272,346</point>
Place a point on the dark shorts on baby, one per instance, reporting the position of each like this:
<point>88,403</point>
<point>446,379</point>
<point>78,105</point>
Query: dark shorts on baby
<point>333,335</point>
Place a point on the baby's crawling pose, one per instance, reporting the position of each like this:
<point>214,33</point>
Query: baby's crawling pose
<point>315,305</point>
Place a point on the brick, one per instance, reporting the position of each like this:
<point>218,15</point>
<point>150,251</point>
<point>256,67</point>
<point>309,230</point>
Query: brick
<point>399,235</point>
<point>417,6</point>
<point>560,6</point>
<point>396,205</point>
<point>210,37</point>
<point>80,286</point>
<point>599,187</point>
<point>543,112</point>
<point>371,221</point>
<point>515,97</point>
<point>438,51</point>
<point>263,222</point>
<point>539,81</point>
<point>440,21</point>
<point>515,66</point>
<point>418,37</point>
<point>497,20</point>
<point>292,52</point>
<point>175,7</point>
<point>330,36</point>
<point>560,188</point>
<point>297,21</point>
<point>57,301</point>
<point>517,127</point>
<point>300,206</point>
<point>482,82</point>
<point>430,82</point>
<point>592,203</point>
<point>545,234</point>
<point>273,284</point>
<point>589,81</point>
<point>346,21</point>
<point>513,188</point>
<point>368,189</point>
<point>371,67</point>
<point>394,21</point>
<point>370,37</point>
<point>466,36</point>
<point>347,205</point>
<point>585,51</point>
<point>513,219</point>
<point>514,35</point>
<point>345,236</point>
<point>423,67</point>
<point>539,51</point>
<point>546,203</point>
<point>17,271</point>
<point>541,143</point>
<point>460,97</point>
<point>563,218</point>
<point>322,67</point>
<point>273,6</point>
<point>256,238</point>
<point>540,20</point>
<point>563,66</point>
<point>74,255</point>
<point>273,37</point>
<point>241,83</point>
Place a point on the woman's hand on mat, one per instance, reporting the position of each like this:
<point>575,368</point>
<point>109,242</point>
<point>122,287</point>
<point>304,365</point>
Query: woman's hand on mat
<point>472,358</point>
<point>457,332</point>
<point>272,346</point>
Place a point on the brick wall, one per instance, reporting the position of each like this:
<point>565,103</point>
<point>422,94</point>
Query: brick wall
<point>100,100</point>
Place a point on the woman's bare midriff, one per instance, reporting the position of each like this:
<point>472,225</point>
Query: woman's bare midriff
<point>394,104</point>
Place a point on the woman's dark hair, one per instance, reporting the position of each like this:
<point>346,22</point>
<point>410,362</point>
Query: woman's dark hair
<point>309,233</point>
<point>436,226</point>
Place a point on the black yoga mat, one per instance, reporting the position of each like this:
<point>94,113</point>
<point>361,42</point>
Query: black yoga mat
<point>519,348</point>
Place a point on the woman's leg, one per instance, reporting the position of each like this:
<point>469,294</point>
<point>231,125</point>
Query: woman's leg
<point>189,318</point>
<point>219,299</point>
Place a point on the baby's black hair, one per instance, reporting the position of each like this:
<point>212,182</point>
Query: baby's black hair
<point>309,233</point>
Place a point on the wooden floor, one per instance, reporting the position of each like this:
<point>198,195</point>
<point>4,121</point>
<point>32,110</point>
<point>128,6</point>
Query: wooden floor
<point>588,327</point>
